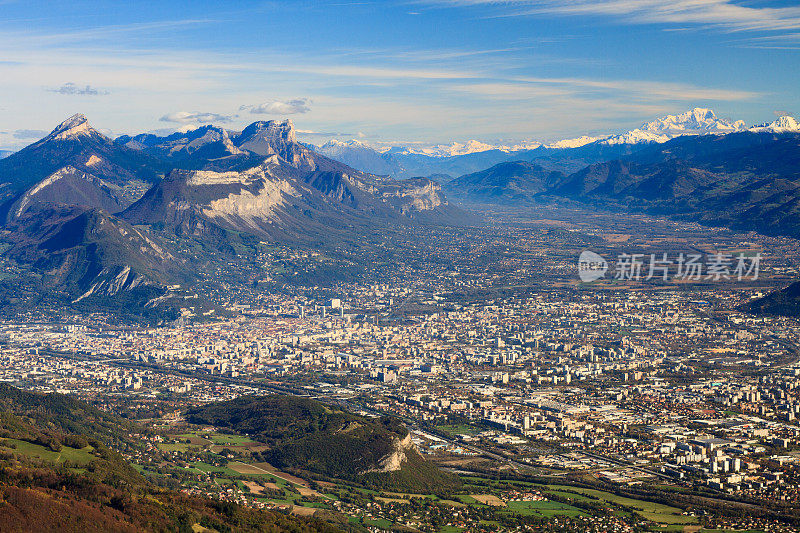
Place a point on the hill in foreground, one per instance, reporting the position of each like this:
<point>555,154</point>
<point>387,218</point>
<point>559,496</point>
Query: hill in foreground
<point>58,473</point>
<point>308,436</point>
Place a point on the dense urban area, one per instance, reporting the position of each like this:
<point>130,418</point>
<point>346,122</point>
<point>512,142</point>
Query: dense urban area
<point>663,403</point>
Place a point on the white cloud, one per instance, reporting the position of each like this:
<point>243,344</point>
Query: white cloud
<point>73,89</point>
<point>185,117</point>
<point>723,14</point>
<point>431,95</point>
<point>276,107</point>
<point>29,134</point>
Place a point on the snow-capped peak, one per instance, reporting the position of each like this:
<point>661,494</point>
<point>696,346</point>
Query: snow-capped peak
<point>527,145</point>
<point>697,121</point>
<point>783,124</point>
<point>574,143</point>
<point>455,148</point>
<point>352,143</point>
<point>74,126</point>
<point>336,147</point>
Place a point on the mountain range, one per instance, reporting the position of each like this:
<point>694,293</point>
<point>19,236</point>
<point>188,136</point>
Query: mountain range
<point>747,180</point>
<point>462,158</point>
<point>87,220</point>
<point>93,218</point>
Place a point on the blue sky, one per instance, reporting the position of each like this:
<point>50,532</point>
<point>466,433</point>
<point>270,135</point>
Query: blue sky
<point>395,71</point>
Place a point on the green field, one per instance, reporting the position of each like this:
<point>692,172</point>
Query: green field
<point>572,495</point>
<point>459,429</point>
<point>655,512</point>
<point>231,440</point>
<point>207,468</point>
<point>81,457</point>
<point>380,522</point>
<point>173,447</point>
<point>545,508</point>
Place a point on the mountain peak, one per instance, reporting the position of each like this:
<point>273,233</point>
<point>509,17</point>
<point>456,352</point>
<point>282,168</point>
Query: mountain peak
<point>270,137</point>
<point>336,142</point>
<point>784,124</point>
<point>271,129</point>
<point>696,121</point>
<point>74,126</point>
<point>577,142</point>
<point>701,113</point>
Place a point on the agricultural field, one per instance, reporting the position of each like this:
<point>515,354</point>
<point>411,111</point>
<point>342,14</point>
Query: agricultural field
<point>544,508</point>
<point>655,512</point>
<point>263,482</point>
<point>80,457</point>
<point>459,429</point>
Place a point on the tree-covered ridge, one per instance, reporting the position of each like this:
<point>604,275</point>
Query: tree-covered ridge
<point>307,435</point>
<point>49,499</point>
<point>275,419</point>
<point>55,414</point>
<point>58,472</point>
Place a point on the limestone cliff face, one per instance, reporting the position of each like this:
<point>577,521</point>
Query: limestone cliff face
<point>393,461</point>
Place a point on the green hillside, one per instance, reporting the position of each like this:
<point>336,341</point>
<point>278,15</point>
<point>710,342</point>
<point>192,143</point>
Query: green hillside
<point>307,435</point>
<point>59,473</point>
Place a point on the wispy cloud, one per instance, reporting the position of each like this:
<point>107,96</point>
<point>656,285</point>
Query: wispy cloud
<point>648,90</point>
<point>313,133</point>
<point>276,107</point>
<point>722,14</point>
<point>185,117</point>
<point>73,89</point>
<point>116,31</point>
<point>29,134</point>
<point>519,88</point>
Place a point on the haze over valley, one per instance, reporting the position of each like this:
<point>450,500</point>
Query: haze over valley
<point>431,266</point>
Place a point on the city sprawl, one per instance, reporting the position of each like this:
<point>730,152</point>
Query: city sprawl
<point>506,366</point>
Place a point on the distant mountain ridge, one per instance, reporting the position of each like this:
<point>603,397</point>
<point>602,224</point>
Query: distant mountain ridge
<point>508,183</point>
<point>457,159</point>
<point>748,180</point>
<point>116,222</point>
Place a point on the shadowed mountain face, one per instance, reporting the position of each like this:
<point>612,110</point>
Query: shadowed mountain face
<point>87,253</point>
<point>282,203</point>
<point>508,183</point>
<point>75,165</point>
<point>783,302</point>
<point>292,193</point>
<point>746,180</point>
<point>68,202</point>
